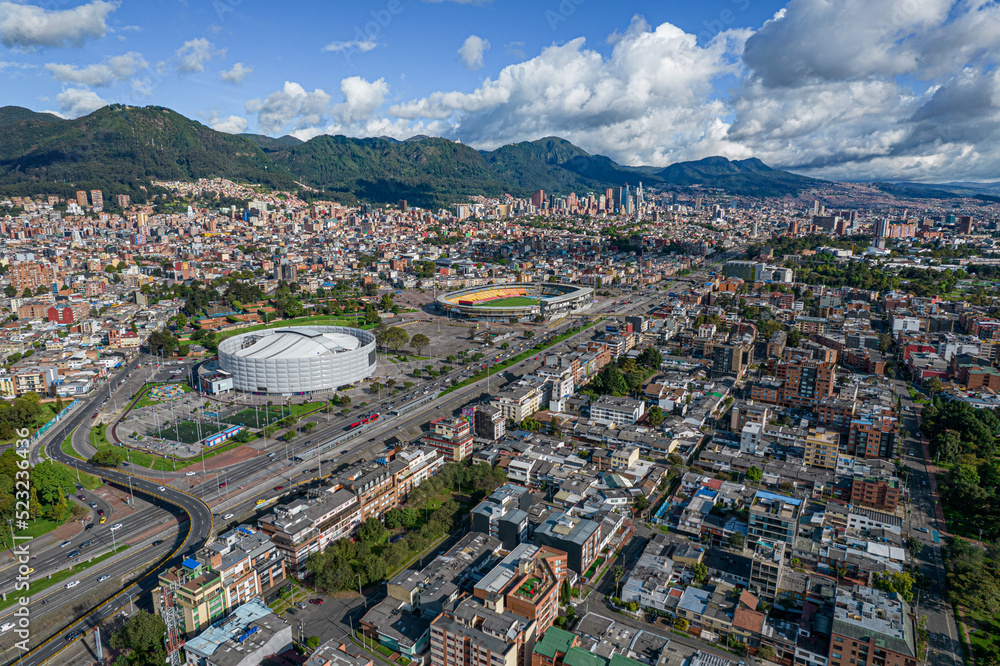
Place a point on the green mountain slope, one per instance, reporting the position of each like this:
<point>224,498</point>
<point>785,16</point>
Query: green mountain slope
<point>426,171</point>
<point>119,147</point>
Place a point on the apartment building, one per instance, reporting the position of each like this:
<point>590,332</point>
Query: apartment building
<point>612,409</point>
<point>804,381</point>
<point>250,564</point>
<point>873,437</point>
<point>377,488</point>
<point>420,464</point>
<point>477,633</point>
<point>774,517</point>
<point>872,628</point>
<point>198,593</point>
<point>489,423</point>
<point>504,515</point>
<point>521,401</point>
<point>578,537</point>
<point>822,447</point>
<point>308,526</point>
<point>31,275</point>
<point>767,567</point>
<point>530,577</point>
<point>452,437</point>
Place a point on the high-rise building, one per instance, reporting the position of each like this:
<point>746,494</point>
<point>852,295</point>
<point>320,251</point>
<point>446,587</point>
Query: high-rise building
<point>767,568</point>
<point>965,224</point>
<point>123,200</point>
<point>805,381</point>
<point>477,633</point>
<point>97,199</point>
<point>538,199</point>
<point>81,198</point>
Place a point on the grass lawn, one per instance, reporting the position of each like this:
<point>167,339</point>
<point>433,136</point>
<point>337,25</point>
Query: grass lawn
<point>986,637</point>
<point>67,447</point>
<point>36,585</point>
<point>41,526</point>
<point>88,481</point>
<point>511,302</point>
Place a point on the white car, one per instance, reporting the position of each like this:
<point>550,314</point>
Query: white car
<point>6,626</point>
<point>190,473</point>
<point>103,578</point>
<point>227,516</point>
<point>162,489</point>
<point>115,526</point>
<point>72,583</point>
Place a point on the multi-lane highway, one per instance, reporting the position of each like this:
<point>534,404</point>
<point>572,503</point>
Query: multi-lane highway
<point>196,522</point>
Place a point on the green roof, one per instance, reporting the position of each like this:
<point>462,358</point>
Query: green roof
<point>622,660</point>
<point>577,656</point>
<point>555,640</point>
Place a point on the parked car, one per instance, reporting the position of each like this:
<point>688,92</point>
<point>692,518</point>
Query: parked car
<point>316,602</point>
<point>299,604</point>
<point>922,529</point>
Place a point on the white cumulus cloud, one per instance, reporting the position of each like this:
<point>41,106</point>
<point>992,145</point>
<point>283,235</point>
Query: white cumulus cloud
<point>26,26</point>
<point>290,105</point>
<point>76,102</point>
<point>471,51</point>
<point>194,54</point>
<point>116,68</point>
<point>237,73</point>
<point>229,124</point>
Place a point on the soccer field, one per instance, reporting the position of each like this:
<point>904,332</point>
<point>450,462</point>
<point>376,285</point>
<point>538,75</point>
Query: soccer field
<point>512,302</point>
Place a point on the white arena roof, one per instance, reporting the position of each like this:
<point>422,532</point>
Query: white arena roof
<point>288,344</point>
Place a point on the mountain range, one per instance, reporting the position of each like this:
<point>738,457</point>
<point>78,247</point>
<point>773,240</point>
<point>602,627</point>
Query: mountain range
<point>120,149</point>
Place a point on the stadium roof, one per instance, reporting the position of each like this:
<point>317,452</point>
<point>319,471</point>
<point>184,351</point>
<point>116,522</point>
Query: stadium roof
<point>287,343</point>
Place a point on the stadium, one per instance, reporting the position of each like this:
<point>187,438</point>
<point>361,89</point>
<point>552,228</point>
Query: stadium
<point>524,300</point>
<point>298,361</point>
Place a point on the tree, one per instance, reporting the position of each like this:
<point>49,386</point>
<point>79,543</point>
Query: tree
<point>934,386</point>
<point>650,358</point>
<point>141,640</point>
<point>765,652</point>
<point>655,416</point>
<point>681,624</point>
<point>108,458</point>
<point>641,504</point>
<point>700,572</point>
<point>755,474</point>
<point>564,592</point>
<point>312,642</point>
<point>289,436</point>
<point>736,541</point>
<point>372,532</point>
<point>899,582</point>
<point>420,342</point>
<point>371,316</point>
<point>528,335</point>
<point>386,303</point>
<point>618,572</point>
<point>10,291</point>
<point>395,338</point>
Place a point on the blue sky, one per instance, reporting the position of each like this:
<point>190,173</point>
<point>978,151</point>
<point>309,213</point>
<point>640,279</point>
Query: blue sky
<point>855,89</point>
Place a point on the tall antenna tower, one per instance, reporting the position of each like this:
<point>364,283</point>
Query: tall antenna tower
<point>168,611</point>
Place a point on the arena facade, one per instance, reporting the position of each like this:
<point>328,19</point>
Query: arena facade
<point>298,360</point>
<point>520,300</point>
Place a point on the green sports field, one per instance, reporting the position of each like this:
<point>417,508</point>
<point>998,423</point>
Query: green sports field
<point>512,302</point>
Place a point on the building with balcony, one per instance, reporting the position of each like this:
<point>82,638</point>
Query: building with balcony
<point>249,563</point>
<point>198,593</point>
<point>774,517</point>
<point>530,577</point>
<point>452,437</point>
<point>822,447</point>
<point>308,526</point>
<point>477,633</point>
<point>578,537</point>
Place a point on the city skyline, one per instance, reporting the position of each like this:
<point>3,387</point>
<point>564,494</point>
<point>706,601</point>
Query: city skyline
<point>857,91</point>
